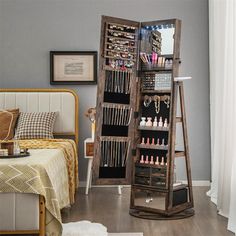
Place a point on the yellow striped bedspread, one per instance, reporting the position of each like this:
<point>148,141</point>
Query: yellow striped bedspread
<point>51,170</point>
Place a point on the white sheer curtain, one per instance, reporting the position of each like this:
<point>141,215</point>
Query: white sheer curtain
<point>222,33</point>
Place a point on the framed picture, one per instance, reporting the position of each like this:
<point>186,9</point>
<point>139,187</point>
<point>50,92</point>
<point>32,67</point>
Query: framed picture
<point>76,67</point>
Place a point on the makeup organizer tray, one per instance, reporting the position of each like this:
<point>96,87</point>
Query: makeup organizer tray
<point>137,116</point>
<point>19,155</point>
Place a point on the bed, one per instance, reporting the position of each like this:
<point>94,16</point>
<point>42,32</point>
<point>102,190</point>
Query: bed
<point>50,174</point>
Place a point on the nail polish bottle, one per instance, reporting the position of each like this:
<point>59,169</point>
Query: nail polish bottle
<point>146,160</point>
<point>153,141</point>
<point>157,161</point>
<point>143,141</point>
<point>142,159</point>
<point>158,142</point>
<point>148,141</point>
<point>162,161</point>
<point>163,142</point>
<point>155,123</point>
<point>151,162</point>
<point>160,124</point>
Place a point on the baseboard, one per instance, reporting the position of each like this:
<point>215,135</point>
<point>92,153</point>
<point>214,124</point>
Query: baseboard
<point>195,183</point>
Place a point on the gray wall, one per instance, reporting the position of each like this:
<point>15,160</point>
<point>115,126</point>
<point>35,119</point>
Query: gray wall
<point>30,29</point>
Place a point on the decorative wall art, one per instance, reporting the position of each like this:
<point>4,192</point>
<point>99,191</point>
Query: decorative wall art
<point>73,67</point>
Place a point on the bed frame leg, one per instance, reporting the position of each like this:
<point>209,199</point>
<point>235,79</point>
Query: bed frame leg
<point>42,213</point>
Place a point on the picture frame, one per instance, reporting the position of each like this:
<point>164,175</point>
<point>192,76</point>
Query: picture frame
<point>73,67</point>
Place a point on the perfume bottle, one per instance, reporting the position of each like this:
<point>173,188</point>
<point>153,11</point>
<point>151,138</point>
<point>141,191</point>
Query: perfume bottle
<point>143,121</point>
<point>165,123</point>
<point>160,124</point>
<point>149,121</point>
<point>16,149</point>
<point>155,123</point>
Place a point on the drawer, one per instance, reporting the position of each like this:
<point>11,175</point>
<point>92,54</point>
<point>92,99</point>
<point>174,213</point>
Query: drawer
<point>142,171</point>
<point>159,182</point>
<point>142,180</point>
<point>158,172</point>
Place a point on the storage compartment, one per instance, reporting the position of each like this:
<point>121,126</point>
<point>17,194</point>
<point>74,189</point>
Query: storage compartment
<point>180,196</point>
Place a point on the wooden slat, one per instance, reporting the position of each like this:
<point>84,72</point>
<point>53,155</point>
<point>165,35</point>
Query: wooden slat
<point>186,146</point>
<point>178,119</point>
<point>179,154</point>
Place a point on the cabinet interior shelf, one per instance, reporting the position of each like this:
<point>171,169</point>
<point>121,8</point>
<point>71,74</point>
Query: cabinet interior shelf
<point>157,147</point>
<point>137,164</point>
<point>161,189</point>
<point>157,91</point>
<point>151,128</point>
<point>159,69</point>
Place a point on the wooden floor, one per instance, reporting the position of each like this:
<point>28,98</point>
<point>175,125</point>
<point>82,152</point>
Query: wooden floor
<point>105,206</point>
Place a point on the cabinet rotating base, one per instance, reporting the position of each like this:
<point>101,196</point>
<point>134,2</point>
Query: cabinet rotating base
<point>155,216</point>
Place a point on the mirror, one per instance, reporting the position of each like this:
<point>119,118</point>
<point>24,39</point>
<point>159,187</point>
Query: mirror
<point>156,55</point>
<point>150,199</point>
<point>157,39</point>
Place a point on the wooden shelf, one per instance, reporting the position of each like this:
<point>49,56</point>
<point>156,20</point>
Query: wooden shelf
<point>149,165</point>
<point>181,186</point>
<point>156,147</point>
<point>164,189</point>
<point>157,70</point>
<point>151,187</point>
<point>179,119</point>
<point>179,154</point>
<point>151,128</point>
<point>157,91</point>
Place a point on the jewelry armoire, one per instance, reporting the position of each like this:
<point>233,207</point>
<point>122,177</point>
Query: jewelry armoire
<point>135,141</point>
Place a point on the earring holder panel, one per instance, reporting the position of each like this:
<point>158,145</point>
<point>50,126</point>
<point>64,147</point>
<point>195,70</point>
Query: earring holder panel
<point>156,80</point>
